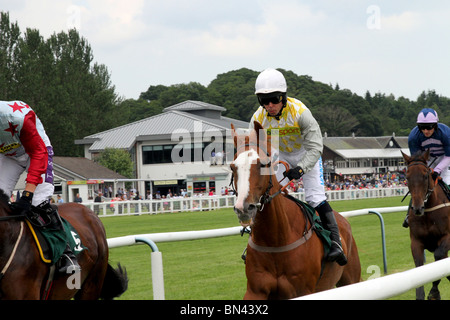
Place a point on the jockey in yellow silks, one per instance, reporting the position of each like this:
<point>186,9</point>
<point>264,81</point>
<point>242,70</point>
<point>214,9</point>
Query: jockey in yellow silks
<point>299,144</point>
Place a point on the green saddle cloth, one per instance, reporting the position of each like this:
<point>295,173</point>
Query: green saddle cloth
<point>53,242</point>
<point>445,187</point>
<point>314,219</point>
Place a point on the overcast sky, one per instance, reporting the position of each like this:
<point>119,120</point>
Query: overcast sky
<point>400,47</point>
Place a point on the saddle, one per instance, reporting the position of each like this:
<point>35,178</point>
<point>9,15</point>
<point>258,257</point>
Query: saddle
<point>315,221</point>
<point>51,243</point>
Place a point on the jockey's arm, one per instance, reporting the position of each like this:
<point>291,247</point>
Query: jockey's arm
<point>312,140</point>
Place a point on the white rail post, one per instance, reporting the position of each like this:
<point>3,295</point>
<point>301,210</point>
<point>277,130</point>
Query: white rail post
<point>157,269</point>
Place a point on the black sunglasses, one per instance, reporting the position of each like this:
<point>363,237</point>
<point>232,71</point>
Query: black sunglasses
<point>428,127</point>
<point>274,100</point>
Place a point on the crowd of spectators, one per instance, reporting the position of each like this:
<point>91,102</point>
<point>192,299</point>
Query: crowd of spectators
<point>352,182</point>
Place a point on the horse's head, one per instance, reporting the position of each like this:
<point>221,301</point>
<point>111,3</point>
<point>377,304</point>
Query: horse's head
<point>251,172</point>
<point>420,183</point>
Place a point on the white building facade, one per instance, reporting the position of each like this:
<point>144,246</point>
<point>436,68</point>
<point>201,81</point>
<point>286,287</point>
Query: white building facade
<point>185,148</point>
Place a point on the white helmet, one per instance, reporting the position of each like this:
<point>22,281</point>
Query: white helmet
<point>270,80</point>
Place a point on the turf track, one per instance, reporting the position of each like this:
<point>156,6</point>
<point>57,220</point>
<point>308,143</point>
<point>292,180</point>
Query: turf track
<point>211,269</point>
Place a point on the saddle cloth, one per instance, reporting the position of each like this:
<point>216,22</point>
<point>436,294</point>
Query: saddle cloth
<point>51,243</point>
<point>445,187</point>
<point>316,223</point>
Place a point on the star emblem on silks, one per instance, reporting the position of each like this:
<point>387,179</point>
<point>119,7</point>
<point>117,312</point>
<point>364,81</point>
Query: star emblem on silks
<point>17,107</point>
<point>12,128</point>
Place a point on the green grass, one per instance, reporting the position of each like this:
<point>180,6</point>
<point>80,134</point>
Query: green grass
<point>212,268</point>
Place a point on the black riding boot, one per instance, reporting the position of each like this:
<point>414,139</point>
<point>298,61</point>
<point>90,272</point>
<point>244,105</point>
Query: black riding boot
<point>329,222</point>
<point>68,263</point>
<point>406,222</point>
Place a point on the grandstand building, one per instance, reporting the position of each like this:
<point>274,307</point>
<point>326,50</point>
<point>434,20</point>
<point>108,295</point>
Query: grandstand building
<point>183,148</point>
<point>363,155</point>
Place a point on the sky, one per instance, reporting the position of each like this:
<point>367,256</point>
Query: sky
<point>393,47</point>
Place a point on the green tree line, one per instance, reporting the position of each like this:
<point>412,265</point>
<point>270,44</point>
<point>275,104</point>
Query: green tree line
<point>74,97</point>
<point>338,111</point>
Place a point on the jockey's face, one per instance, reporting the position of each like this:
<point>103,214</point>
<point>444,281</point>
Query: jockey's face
<point>427,129</point>
<point>273,108</point>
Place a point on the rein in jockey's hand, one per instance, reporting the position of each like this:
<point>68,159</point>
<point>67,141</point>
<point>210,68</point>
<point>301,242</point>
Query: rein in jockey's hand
<point>294,173</point>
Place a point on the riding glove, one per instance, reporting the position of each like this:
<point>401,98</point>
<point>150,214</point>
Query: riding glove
<point>294,173</point>
<point>435,175</point>
<point>23,205</point>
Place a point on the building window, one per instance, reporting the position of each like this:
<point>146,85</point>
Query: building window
<point>191,152</point>
<point>199,187</point>
<point>341,164</point>
<point>157,154</point>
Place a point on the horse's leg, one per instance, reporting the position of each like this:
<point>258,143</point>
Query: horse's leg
<point>418,255</point>
<point>440,253</point>
<point>352,270</point>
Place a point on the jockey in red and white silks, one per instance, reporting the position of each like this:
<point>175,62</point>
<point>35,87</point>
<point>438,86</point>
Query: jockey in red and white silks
<point>24,145</point>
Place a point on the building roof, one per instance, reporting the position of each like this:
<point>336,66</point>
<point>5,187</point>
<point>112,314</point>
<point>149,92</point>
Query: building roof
<point>188,116</point>
<point>371,153</point>
<point>367,147</point>
<point>73,168</point>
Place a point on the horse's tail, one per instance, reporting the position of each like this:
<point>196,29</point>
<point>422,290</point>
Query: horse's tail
<point>116,282</point>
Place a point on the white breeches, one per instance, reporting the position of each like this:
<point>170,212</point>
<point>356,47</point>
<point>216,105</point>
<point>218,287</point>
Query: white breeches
<point>445,174</point>
<point>10,171</point>
<point>313,182</point>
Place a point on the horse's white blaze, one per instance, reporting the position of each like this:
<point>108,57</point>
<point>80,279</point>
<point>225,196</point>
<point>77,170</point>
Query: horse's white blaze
<point>243,163</point>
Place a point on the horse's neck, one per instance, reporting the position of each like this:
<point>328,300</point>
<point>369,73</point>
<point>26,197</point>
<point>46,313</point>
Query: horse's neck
<point>280,222</point>
<point>438,196</point>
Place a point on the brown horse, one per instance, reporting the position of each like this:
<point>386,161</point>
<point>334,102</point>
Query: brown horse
<point>285,258</point>
<point>24,275</point>
<point>428,216</point>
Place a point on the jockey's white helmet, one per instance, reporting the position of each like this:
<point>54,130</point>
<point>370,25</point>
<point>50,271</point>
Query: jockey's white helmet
<point>270,80</point>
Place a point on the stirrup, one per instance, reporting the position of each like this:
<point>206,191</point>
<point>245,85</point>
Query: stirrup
<point>68,262</point>
<point>405,222</point>
<point>340,257</point>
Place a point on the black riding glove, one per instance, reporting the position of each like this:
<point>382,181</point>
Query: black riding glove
<point>294,173</point>
<point>435,175</point>
<point>23,205</point>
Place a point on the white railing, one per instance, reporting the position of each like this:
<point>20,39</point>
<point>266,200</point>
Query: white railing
<point>206,203</point>
<point>387,286</point>
<point>158,276</point>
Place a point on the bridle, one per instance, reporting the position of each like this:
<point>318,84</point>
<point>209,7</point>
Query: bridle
<point>266,197</point>
<point>429,190</point>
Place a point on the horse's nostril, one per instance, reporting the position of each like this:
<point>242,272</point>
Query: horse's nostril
<point>251,207</point>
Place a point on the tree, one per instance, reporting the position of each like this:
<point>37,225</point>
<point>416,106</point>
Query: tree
<point>59,80</point>
<point>336,121</point>
<point>117,160</point>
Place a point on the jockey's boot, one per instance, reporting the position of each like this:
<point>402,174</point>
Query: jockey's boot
<point>329,222</point>
<point>406,223</point>
<point>68,263</point>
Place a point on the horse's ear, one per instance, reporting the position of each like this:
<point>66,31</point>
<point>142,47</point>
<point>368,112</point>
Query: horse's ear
<point>233,135</point>
<point>257,126</point>
<point>407,158</point>
<point>260,133</point>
